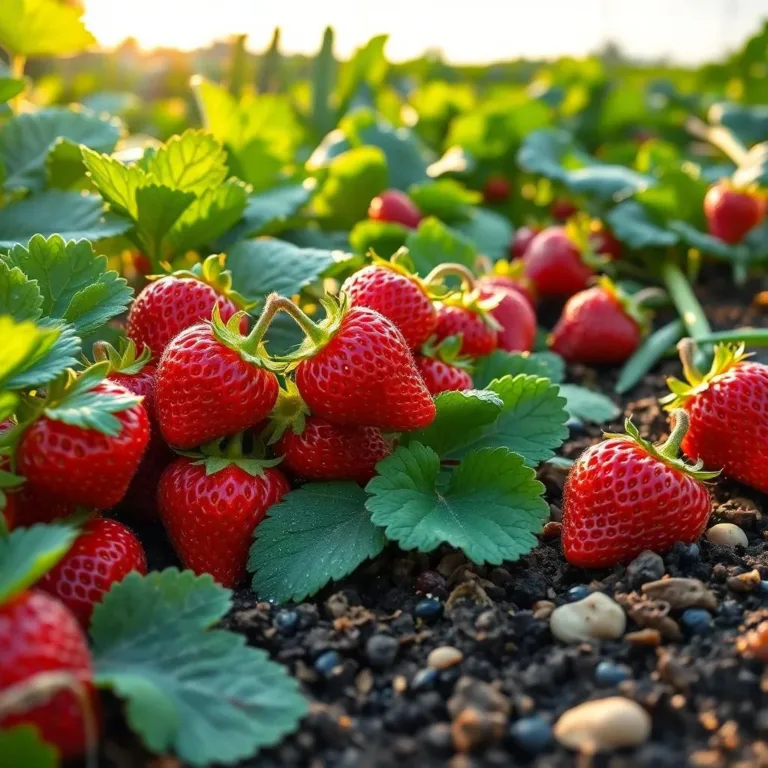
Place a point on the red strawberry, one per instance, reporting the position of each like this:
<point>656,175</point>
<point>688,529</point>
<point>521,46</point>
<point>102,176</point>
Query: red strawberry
<point>395,292</point>
<point>554,264</point>
<point>625,495</point>
<point>562,209</point>
<point>210,518</point>
<point>732,212</point>
<point>728,409</point>
<point>395,206</point>
<point>169,305</point>
<point>443,368</point>
<point>212,382</point>
<point>38,635</point>
<point>514,314</point>
<point>468,315</point>
<point>84,465</point>
<point>104,553</point>
<point>599,326</point>
<point>141,263</point>
<point>356,368</point>
<point>522,239</point>
<point>140,500</point>
<point>604,243</point>
<point>496,190</point>
<point>136,374</point>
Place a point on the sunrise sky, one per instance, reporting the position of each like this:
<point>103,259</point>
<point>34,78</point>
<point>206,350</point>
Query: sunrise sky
<point>466,30</point>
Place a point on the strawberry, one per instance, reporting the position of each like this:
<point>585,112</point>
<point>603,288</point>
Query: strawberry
<point>355,367</point>
<point>728,410</point>
<point>393,290</point>
<point>210,506</point>
<point>522,239</point>
<point>442,366</point>
<point>395,206</point>
<point>510,275</point>
<point>562,209</point>
<point>599,326</point>
<point>212,382</point>
<point>87,444</point>
<point>39,636</point>
<point>104,553</point>
<point>625,495</point>
<point>604,243</point>
<point>469,315</point>
<point>169,305</point>
<point>732,212</point>
<point>136,374</point>
<point>553,262</point>
<point>141,264</point>
<point>496,190</point>
<point>513,313</point>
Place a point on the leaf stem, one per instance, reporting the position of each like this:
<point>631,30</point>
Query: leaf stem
<point>234,446</point>
<point>687,349</point>
<point>685,301</point>
<point>671,448</point>
<point>274,304</point>
<point>452,270</point>
<point>755,337</point>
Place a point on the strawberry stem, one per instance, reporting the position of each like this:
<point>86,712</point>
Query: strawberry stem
<point>671,448</point>
<point>234,446</point>
<point>687,349</point>
<point>274,304</point>
<point>455,270</point>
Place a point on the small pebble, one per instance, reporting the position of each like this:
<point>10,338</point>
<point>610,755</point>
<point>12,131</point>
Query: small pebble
<point>744,582</point>
<point>696,621</point>
<point>607,673</point>
<point>444,657</point>
<point>381,650</point>
<point>430,582</point>
<point>428,609</point>
<point>647,566</point>
<point>424,679</point>
<point>763,588</point>
<point>579,592</point>
<point>532,734</point>
<point>287,622</point>
<point>605,724</point>
<point>594,617</point>
<point>327,662</point>
<point>681,593</point>
<point>727,535</point>
<point>690,554</point>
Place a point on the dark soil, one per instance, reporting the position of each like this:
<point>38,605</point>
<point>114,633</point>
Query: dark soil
<point>360,648</point>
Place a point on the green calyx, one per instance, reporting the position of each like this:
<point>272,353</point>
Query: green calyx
<point>630,305</point>
<point>251,348</point>
<point>669,451</point>
<point>447,351</point>
<point>212,272</point>
<point>220,454</point>
<point>726,356</point>
<point>579,230</point>
<point>122,361</point>
<point>290,412</point>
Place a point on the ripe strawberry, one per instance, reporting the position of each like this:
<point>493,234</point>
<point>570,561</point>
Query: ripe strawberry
<point>604,243</point>
<point>625,495</point>
<point>496,190</point>
<point>88,465</point>
<point>104,553</point>
<point>393,290</point>
<point>728,409</point>
<point>443,368</point>
<point>469,315</point>
<point>562,209</point>
<point>395,206</point>
<point>212,382</point>
<point>732,212</point>
<point>211,510</point>
<point>599,326</point>
<point>136,374</point>
<point>355,368</point>
<point>522,239</point>
<point>514,314</point>
<point>38,635</point>
<point>169,305</point>
<point>141,264</point>
<point>554,264</point>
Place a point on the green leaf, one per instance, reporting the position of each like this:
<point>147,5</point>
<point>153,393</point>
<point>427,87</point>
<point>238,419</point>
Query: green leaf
<point>23,745</point>
<point>532,421</point>
<point>384,237</point>
<point>316,534</point>
<point>52,356</point>
<point>712,246</point>
<point>159,209</point>
<point>446,199</point>
<point>54,212</point>
<point>500,363</point>
<point>607,182</point>
<point>433,243</point>
<point>367,65</point>
<point>490,232</point>
<point>20,297</point>
<point>117,183</point>
<point>9,87</point>
<point>584,404</point>
<point>459,415</point>
<point>259,267</point>
<point>26,554</point>
<point>42,28</point>
<point>203,694</point>
<point>27,139</point>
<point>23,343</point>
<point>74,282</point>
<point>193,162</point>
<point>632,224</point>
<point>490,507</point>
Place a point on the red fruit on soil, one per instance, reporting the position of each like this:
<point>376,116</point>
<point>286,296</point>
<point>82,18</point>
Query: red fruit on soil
<point>210,519</point>
<point>496,190</point>
<point>604,243</point>
<point>398,295</point>
<point>38,635</point>
<point>206,390</point>
<point>554,265</point>
<point>327,451</point>
<point>728,409</point>
<point>84,466</point>
<point>363,373</point>
<point>396,207</point>
<point>599,326</point>
<point>478,336</point>
<point>562,209</point>
<point>522,239</point>
<point>624,495</point>
<point>442,377</point>
<point>515,316</point>
<point>104,553</point>
<point>731,212</point>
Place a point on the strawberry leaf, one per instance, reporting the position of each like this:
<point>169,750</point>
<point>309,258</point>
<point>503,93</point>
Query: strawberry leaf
<point>159,209</point>
<point>201,693</point>
<point>117,183</point>
<point>26,554</point>
<point>490,232</point>
<point>582,403</point>
<point>433,243</point>
<point>316,534</point>
<point>499,363</point>
<point>20,297</point>
<point>383,237</point>
<point>490,506</point>
<point>23,745</point>
<point>446,199</point>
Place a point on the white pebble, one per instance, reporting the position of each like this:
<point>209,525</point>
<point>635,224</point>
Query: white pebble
<point>727,535</point>
<point>596,617</point>
<point>605,724</point>
<point>444,657</point>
